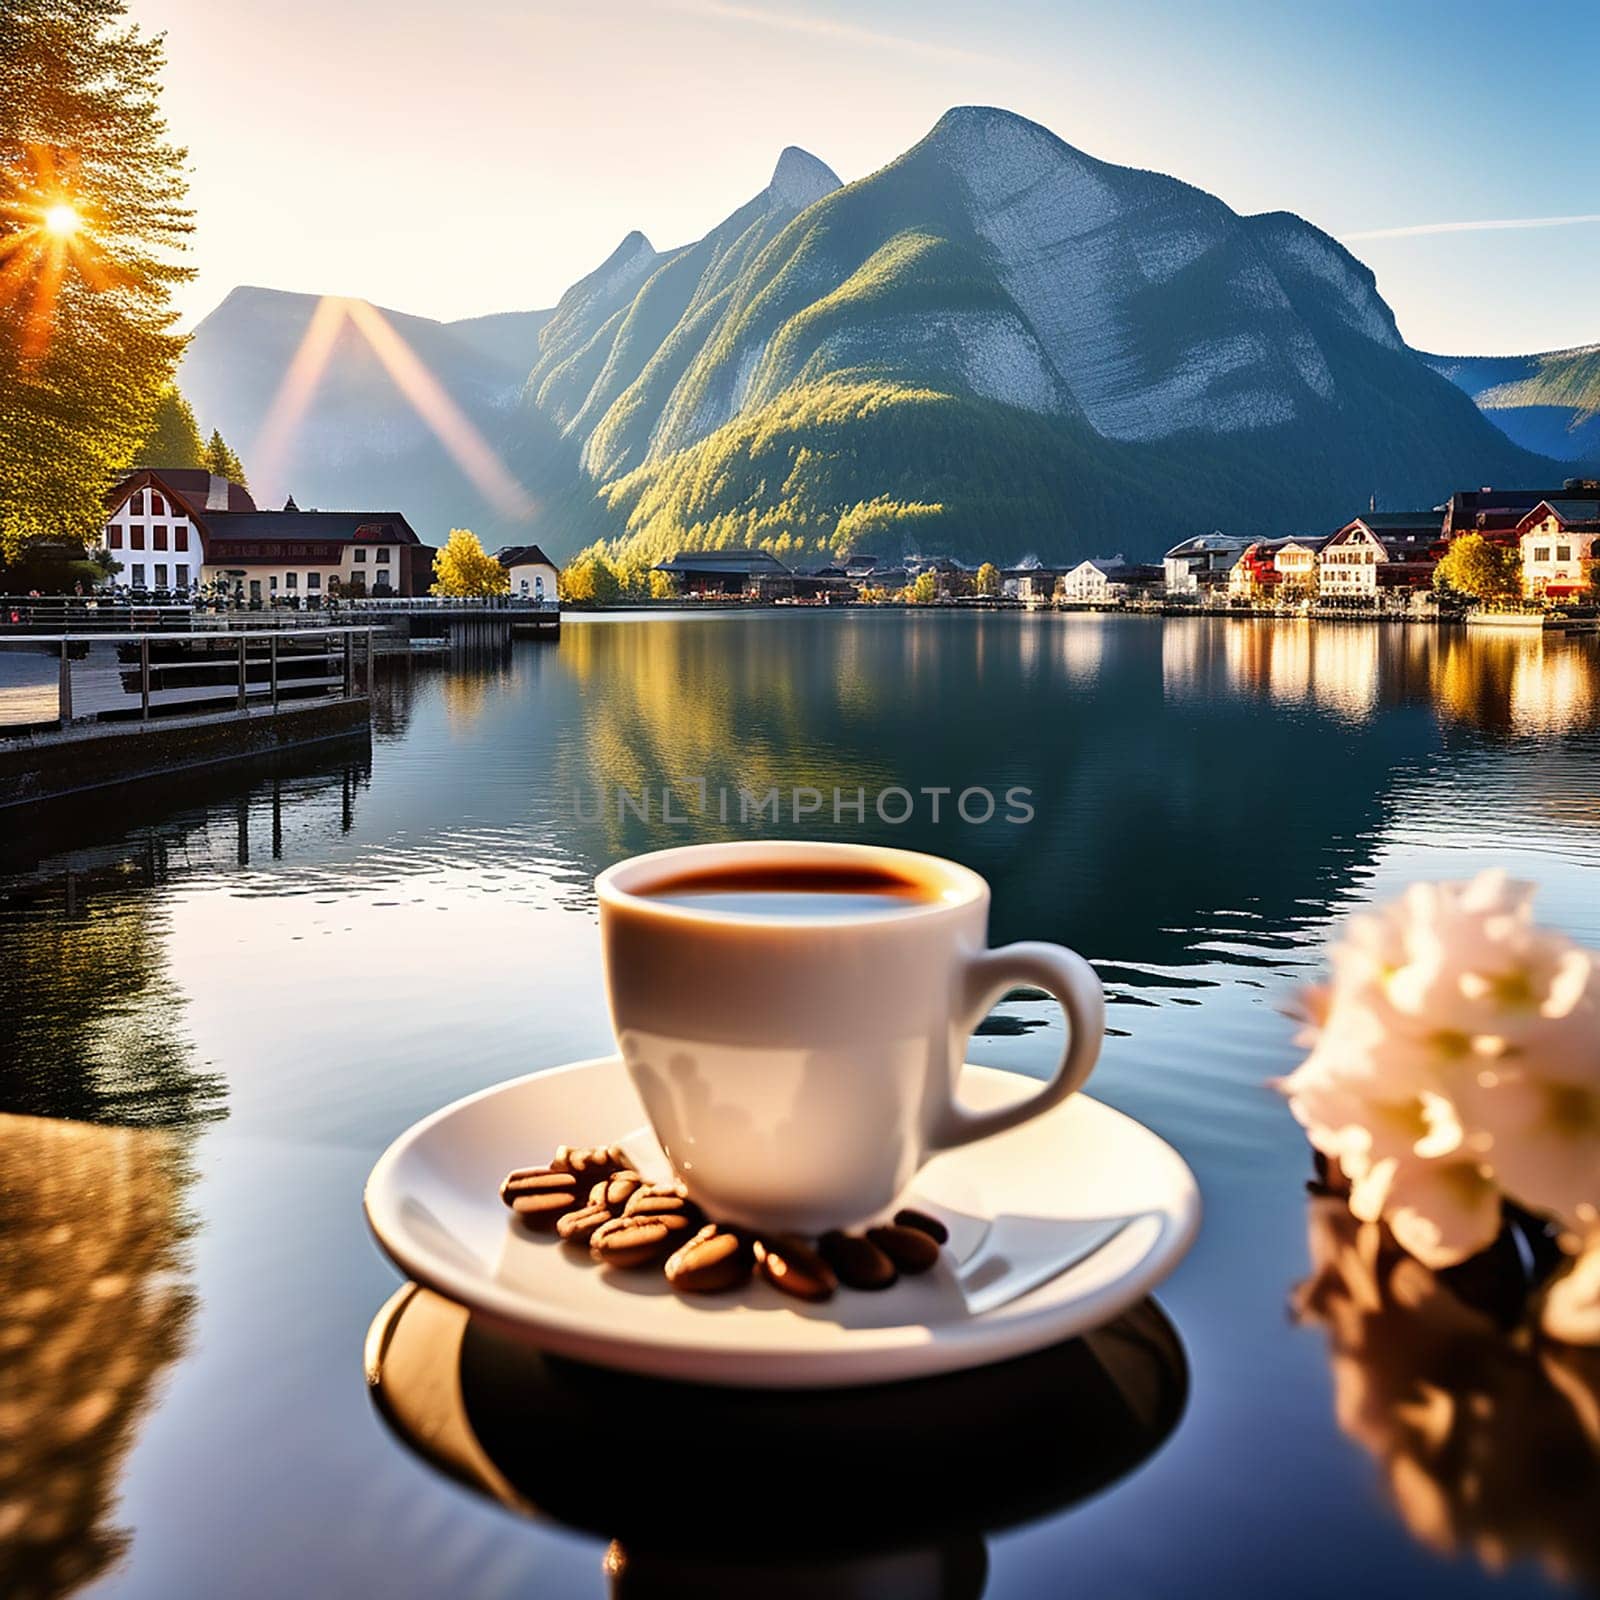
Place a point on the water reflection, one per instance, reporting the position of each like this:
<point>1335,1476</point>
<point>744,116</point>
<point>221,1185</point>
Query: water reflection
<point>95,1308</point>
<point>1488,1441</point>
<point>673,1476</point>
<point>93,1005</point>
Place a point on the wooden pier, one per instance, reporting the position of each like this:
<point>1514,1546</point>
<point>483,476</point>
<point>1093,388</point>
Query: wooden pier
<point>81,711</point>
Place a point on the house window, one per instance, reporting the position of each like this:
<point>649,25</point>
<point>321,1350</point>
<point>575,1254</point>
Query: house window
<point>136,505</point>
<point>291,580</point>
<point>313,580</point>
<point>182,570</point>
<point>159,541</point>
<point>272,584</point>
<point>180,536</point>
<point>158,506</point>
<point>1541,552</point>
<point>136,538</point>
<point>383,554</point>
<point>137,578</point>
<point>1563,552</point>
<point>358,555</point>
<point>113,537</point>
<point>161,574</point>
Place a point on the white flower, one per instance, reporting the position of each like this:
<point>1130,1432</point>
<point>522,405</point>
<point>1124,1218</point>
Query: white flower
<point>1572,1303</point>
<point>1456,1058</point>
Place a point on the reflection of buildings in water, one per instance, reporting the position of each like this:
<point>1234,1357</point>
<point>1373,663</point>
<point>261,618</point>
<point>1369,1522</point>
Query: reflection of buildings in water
<point>1517,681</point>
<point>1345,670</point>
<point>1190,653</point>
<point>872,1468</point>
<point>1083,645</point>
<point>1288,662</point>
<point>93,1312</point>
<point>1488,1441</point>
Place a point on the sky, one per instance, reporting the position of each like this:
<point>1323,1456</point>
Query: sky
<point>449,160</point>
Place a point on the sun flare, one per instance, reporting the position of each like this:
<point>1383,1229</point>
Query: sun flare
<point>61,220</point>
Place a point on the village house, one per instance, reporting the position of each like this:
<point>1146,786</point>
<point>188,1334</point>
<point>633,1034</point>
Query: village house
<point>1498,513</point>
<point>729,574</point>
<point>1557,543</point>
<point>1296,563</point>
<point>182,528</point>
<point>1378,551</point>
<point>1200,565</point>
<point>532,574</point>
<point>1106,580</point>
<point>1032,584</point>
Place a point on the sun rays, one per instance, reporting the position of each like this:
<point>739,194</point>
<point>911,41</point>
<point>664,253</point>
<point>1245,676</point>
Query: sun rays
<point>46,230</point>
<point>454,430</point>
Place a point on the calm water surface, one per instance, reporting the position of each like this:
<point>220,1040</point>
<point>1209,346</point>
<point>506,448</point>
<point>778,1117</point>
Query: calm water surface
<point>219,1000</point>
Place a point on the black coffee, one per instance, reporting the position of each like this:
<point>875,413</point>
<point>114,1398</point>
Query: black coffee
<point>794,893</point>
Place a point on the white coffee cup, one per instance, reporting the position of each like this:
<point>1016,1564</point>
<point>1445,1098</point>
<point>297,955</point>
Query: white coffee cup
<point>798,1072</point>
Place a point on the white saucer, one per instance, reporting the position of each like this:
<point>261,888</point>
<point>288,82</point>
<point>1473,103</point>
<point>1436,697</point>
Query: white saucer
<point>1056,1227</point>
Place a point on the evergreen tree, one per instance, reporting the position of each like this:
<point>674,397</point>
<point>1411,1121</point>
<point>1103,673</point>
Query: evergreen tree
<point>91,219</point>
<point>220,459</point>
<point>172,439</point>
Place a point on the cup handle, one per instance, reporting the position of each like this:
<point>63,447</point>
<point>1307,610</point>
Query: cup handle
<point>1066,975</point>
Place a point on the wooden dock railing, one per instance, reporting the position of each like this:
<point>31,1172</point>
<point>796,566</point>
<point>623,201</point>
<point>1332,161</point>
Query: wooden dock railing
<point>55,680</point>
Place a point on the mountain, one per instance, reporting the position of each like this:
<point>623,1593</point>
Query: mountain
<point>1548,402</point>
<point>995,343</point>
<point>359,442</point>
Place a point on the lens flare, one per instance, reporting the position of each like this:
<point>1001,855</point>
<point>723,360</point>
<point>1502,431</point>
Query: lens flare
<point>452,427</point>
<point>61,221</point>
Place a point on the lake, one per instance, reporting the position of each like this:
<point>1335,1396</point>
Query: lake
<point>223,996</point>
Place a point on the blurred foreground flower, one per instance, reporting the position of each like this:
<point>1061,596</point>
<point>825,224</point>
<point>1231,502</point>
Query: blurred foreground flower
<point>1455,1062</point>
<point>1488,1442</point>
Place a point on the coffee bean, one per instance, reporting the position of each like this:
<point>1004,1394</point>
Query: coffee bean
<point>793,1266</point>
<point>617,1190</point>
<point>539,1195</point>
<point>636,1241</point>
<point>578,1227</point>
<point>923,1223</point>
<point>714,1260</point>
<point>859,1262</point>
<point>910,1249</point>
<point>588,1163</point>
<point>662,1200</point>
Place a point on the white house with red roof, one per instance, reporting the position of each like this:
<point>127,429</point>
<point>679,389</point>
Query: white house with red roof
<point>1557,541</point>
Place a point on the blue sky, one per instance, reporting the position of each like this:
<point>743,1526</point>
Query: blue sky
<point>479,156</point>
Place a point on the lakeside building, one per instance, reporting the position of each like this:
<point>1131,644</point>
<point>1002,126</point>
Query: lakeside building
<point>177,528</point>
<point>1296,563</point>
<point>532,574</point>
<point>1102,580</point>
<point>1273,568</point>
<point>1381,550</point>
<point>729,574</point>
<point>1201,565</point>
<point>1498,513</point>
<point>1032,584</point>
<point>1557,543</point>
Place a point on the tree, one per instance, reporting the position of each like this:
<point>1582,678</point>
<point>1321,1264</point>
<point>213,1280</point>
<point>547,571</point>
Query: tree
<point>463,568</point>
<point>91,223</point>
<point>589,578</point>
<point>1474,566</point>
<point>989,579</point>
<point>172,439</point>
<point>663,586</point>
<point>220,459</point>
<point>925,590</point>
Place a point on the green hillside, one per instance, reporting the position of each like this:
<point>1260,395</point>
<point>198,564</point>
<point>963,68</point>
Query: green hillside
<point>994,345</point>
<point>1548,402</point>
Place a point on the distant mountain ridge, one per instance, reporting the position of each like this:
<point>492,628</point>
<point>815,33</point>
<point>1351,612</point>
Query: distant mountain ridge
<point>995,343</point>
<point>1548,402</point>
